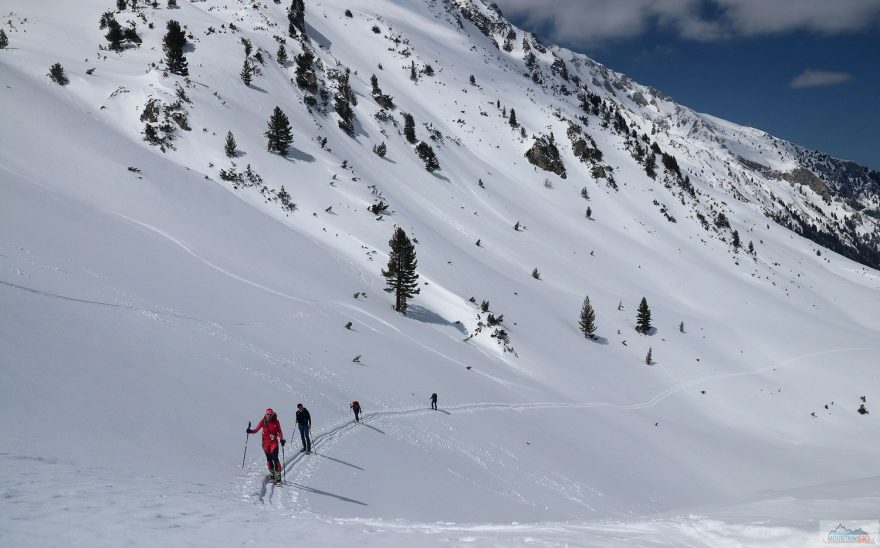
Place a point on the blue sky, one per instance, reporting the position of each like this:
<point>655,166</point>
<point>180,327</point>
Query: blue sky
<point>807,71</point>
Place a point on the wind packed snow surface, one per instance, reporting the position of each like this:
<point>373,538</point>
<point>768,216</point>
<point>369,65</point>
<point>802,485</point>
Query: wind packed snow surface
<point>150,308</point>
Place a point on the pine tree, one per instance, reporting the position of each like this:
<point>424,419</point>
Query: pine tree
<point>346,114</point>
<point>413,75</point>
<point>56,74</point>
<point>380,150</point>
<point>229,148</point>
<point>681,327</point>
<point>649,359</point>
<point>281,56</point>
<point>535,274</point>
<point>374,82</point>
<point>409,127</point>
<point>589,212</point>
<point>296,17</point>
<point>473,80</point>
<point>114,34</point>
<point>279,134</point>
<point>650,165</point>
<point>400,276</point>
<point>172,4</point>
<point>4,41</point>
<point>426,153</point>
<point>173,43</point>
<point>512,120</point>
<point>247,73</point>
<point>305,74</point>
<point>643,317</point>
<point>736,241</point>
<point>751,247</point>
<point>587,321</point>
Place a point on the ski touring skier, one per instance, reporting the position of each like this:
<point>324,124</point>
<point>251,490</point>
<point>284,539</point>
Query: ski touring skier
<point>356,407</point>
<point>272,436</point>
<point>304,422</point>
<point>434,401</point>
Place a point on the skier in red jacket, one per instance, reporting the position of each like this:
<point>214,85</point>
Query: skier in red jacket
<point>272,436</point>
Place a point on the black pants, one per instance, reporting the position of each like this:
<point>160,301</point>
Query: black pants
<point>357,413</point>
<point>434,405</point>
<point>272,460</point>
<point>304,435</point>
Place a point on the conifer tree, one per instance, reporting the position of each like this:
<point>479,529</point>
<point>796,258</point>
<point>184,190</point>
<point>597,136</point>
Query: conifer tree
<point>305,74</point>
<point>409,127</point>
<point>649,358</point>
<point>643,317</point>
<point>681,327</point>
<point>380,149</point>
<point>374,82</point>
<point>229,148</point>
<point>587,321</point>
<point>4,41</point>
<point>413,75</point>
<point>56,74</point>
<point>114,34</point>
<point>247,73</point>
<point>281,56</point>
<point>346,114</point>
<point>650,165</point>
<point>512,120</point>
<point>426,153</point>
<point>736,241</point>
<point>279,135</point>
<point>473,80</point>
<point>296,17</point>
<point>173,43</point>
<point>400,275</point>
<point>751,247</point>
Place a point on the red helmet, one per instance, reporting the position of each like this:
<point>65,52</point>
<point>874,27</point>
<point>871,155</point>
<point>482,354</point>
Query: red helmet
<point>269,411</point>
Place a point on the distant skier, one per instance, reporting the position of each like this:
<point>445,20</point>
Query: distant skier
<point>272,435</point>
<point>356,407</point>
<point>434,401</point>
<point>304,422</point>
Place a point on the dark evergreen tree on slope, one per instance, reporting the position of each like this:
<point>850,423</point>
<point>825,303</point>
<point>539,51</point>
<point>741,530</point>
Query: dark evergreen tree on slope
<point>409,127</point>
<point>426,153</point>
<point>4,41</point>
<point>279,135</point>
<point>230,146</point>
<point>296,17</point>
<point>643,317</point>
<point>400,276</point>
<point>173,43</point>
<point>587,321</point>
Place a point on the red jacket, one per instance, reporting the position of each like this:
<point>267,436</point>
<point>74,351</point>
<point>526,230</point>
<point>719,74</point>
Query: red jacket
<point>271,434</point>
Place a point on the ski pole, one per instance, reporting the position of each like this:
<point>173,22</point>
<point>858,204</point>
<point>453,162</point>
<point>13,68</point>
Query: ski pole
<point>283,466</point>
<point>247,435</point>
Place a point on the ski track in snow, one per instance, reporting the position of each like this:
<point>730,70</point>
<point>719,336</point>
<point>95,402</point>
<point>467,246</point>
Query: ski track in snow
<point>327,438</point>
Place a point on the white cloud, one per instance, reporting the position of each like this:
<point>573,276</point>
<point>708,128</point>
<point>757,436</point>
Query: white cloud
<point>596,21</point>
<point>812,78</point>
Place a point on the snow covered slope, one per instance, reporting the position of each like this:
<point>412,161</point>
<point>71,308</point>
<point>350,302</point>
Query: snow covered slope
<point>152,308</point>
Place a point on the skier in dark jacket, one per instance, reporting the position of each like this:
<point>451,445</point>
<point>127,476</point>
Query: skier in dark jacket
<point>304,422</point>
<point>272,436</point>
<point>434,401</point>
<point>356,407</point>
